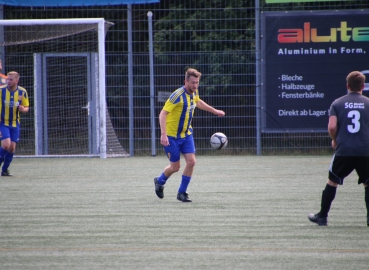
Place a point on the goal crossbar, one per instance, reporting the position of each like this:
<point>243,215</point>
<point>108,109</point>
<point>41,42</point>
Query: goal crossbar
<point>52,21</point>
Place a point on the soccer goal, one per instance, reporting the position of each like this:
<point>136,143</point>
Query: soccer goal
<point>62,65</point>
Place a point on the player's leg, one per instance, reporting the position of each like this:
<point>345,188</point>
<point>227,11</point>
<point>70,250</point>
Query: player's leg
<point>5,142</point>
<point>14,137</point>
<point>366,188</point>
<point>173,167</point>
<point>188,171</point>
<point>8,159</point>
<point>339,169</point>
<point>328,195</point>
<point>173,154</point>
<point>188,150</point>
<point>362,169</point>
<point>5,145</point>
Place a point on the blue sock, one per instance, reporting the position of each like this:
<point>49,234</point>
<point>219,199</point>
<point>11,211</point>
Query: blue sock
<point>7,159</point>
<point>2,154</point>
<point>184,184</point>
<point>162,179</point>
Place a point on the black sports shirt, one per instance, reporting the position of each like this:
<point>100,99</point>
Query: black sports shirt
<point>352,111</point>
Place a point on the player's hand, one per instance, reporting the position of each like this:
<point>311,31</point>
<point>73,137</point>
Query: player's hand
<point>334,144</point>
<point>21,108</point>
<point>219,113</point>
<point>164,140</point>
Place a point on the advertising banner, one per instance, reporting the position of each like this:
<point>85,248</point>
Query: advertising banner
<point>297,1</point>
<point>306,57</point>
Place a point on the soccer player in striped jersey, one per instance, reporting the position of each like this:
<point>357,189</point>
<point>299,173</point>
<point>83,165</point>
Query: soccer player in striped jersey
<point>14,99</point>
<point>176,132</point>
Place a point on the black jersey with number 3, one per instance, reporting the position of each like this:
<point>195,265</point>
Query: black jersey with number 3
<point>352,111</point>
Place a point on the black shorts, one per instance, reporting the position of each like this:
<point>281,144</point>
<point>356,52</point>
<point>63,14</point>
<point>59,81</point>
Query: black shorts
<point>342,166</point>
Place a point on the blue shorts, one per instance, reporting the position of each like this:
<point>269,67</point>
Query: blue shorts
<point>9,132</point>
<point>178,146</point>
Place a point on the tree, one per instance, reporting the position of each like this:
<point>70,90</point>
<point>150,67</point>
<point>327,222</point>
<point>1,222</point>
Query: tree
<point>213,34</point>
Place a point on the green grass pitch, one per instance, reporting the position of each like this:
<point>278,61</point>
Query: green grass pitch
<point>248,212</point>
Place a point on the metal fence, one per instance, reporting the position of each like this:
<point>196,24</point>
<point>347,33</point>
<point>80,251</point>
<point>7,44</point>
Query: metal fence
<point>215,37</point>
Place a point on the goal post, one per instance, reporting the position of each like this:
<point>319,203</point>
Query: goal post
<point>65,60</point>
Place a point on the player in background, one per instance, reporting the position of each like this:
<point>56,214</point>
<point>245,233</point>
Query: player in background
<point>348,127</point>
<point>14,99</point>
<point>3,79</point>
<point>176,132</point>
<point>2,76</point>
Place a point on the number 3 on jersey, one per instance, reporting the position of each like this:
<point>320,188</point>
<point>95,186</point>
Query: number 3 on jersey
<point>355,117</point>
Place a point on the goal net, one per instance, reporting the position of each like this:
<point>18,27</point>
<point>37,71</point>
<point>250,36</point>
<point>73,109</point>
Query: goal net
<point>61,63</point>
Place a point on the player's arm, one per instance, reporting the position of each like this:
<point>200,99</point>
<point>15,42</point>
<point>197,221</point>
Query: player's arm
<point>24,103</point>
<point>332,129</point>
<point>23,109</point>
<point>163,127</point>
<point>204,106</point>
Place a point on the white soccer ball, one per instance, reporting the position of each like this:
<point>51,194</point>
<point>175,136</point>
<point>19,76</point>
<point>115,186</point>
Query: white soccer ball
<point>218,140</point>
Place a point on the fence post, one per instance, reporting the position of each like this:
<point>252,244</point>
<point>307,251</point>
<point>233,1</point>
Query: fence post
<point>152,90</point>
<point>130,81</point>
<point>257,79</point>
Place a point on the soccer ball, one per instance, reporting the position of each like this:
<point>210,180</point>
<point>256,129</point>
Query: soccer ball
<point>218,140</point>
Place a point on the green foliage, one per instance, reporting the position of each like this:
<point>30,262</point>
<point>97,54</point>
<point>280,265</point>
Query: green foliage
<point>213,34</point>
<point>205,26</point>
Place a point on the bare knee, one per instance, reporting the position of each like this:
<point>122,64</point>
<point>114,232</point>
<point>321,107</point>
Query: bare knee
<point>11,149</point>
<point>190,160</point>
<point>175,167</point>
<point>191,163</point>
<point>6,144</point>
<point>331,183</point>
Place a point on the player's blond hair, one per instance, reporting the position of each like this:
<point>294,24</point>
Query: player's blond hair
<point>355,81</point>
<point>192,72</point>
<point>14,73</point>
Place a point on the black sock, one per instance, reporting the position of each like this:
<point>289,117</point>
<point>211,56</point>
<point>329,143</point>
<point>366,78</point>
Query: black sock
<point>367,200</point>
<point>327,198</point>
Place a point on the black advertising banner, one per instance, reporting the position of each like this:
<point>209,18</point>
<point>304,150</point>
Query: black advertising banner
<point>306,57</point>
<point>296,1</point>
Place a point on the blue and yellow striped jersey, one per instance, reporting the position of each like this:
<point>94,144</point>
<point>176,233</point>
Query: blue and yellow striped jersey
<point>9,105</point>
<point>181,107</point>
